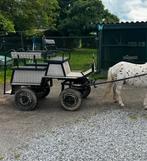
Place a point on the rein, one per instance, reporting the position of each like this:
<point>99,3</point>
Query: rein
<point>94,83</point>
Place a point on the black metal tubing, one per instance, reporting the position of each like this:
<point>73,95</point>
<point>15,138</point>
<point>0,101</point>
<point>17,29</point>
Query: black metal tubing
<point>5,73</point>
<point>17,61</point>
<point>76,83</point>
<point>29,69</point>
<point>12,76</point>
<point>63,70</point>
<point>47,69</point>
<point>40,65</point>
<point>35,61</point>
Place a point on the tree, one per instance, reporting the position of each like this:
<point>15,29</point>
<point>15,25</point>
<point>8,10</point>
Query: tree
<point>39,14</point>
<point>6,24</point>
<point>30,15</point>
<point>64,6</point>
<point>81,14</point>
<point>110,18</point>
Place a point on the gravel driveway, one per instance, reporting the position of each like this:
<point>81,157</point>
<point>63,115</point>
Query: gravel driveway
<point>99,131</point>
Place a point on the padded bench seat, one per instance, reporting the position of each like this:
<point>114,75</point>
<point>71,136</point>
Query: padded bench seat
<point>74,74</point>
<point>79,74</point>
<point>58,59</point>
<point>26,55</point>
<point>30,67</point>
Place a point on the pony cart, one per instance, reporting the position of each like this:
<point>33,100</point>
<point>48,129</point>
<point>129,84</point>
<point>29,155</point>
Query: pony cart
<point>33,80</point>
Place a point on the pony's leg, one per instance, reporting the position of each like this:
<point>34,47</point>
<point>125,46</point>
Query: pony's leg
<point>145,102</point>
<point>115,97</point>
<point>118,92</point>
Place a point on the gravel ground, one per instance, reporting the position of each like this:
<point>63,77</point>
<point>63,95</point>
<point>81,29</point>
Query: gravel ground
<point>99,131</point>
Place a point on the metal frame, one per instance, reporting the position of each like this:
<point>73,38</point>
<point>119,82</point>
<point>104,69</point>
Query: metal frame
<point>39,67</point>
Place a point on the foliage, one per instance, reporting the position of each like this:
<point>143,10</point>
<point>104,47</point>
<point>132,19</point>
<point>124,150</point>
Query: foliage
<point>70,17</point>
<point>31,15</point>
<point>77,16</point>
<point>6,24</point>
<point>39,14</point>
<point>110,18</point>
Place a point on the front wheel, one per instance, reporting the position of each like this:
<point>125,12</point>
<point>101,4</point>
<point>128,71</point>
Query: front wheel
<point>25,99</point>
<point>70,99</point>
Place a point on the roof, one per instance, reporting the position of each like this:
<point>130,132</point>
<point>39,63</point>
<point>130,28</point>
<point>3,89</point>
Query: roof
<point>124,25</point>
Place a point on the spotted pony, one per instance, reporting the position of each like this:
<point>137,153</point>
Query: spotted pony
<point>123,70</point>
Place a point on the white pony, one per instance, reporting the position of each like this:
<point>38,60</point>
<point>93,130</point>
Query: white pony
<point>123,70</point>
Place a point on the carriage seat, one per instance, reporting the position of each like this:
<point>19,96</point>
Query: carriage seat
<point>34,56</point>
<point>30,67</point>
<point>59,67</point>
<point>26,55</point>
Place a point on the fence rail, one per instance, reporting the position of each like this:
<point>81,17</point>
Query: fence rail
<point>19,40</point>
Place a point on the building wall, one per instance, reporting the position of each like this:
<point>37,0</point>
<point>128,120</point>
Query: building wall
<point>129,44</point>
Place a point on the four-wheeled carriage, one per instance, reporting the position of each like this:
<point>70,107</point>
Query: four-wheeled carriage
<point>30,82</point>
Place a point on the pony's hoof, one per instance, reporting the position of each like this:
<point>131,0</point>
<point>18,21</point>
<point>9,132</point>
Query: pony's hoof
<point>122,105</point>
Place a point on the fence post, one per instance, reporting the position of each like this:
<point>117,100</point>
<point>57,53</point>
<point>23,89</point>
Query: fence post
<point>21,36</point>
<point>99,52</point>
<point>5,65</point>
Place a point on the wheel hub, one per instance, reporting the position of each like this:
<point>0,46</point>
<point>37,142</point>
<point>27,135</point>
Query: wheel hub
<point>25,99</point>
<point>70,100</point>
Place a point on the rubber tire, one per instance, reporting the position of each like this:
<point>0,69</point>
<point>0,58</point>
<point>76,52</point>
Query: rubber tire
<point>85,93</point>
<point>43,92</point>
<point>73,94</point>
<point>27,93</point>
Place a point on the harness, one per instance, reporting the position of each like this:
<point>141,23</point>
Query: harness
<point>95,84</point>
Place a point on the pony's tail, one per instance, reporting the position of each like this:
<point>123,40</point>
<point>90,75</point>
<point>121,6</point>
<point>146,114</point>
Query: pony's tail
<point>108,90</point>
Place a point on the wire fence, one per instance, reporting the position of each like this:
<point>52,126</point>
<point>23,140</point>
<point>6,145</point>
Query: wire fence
<point>18,40</point>
<point>82,48</point>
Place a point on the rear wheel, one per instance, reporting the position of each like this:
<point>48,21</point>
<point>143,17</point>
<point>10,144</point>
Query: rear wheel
<point>70,99</point>
<point>25,99</point>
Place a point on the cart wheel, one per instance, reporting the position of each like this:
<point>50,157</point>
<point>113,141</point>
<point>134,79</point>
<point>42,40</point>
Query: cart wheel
<point>86,91</point>
<point>25,99</point>
<point>41,92</point>
<point>70,99</point>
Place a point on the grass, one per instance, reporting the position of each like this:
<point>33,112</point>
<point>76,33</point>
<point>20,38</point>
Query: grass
<point>9,73</point>
<point>81,59</point>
